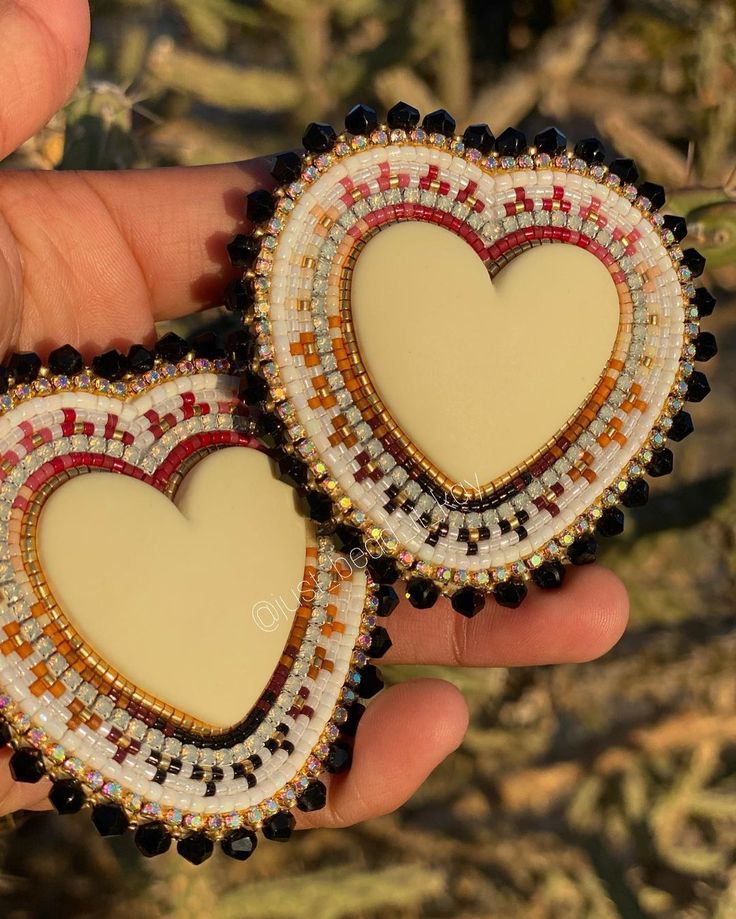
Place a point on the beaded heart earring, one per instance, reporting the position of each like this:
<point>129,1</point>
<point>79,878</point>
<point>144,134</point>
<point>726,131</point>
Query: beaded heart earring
<point>313,382</point>
<point>109,728</point>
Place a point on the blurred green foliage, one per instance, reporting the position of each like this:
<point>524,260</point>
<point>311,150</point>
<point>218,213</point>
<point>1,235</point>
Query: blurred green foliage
<point>589,791</point>
<point>201,81</point>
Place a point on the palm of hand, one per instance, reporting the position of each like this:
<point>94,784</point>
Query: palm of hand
<point>95,259</point>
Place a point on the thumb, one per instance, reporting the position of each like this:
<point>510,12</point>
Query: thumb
<point>43,44</point>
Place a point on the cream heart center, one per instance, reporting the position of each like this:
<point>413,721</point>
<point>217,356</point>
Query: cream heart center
<point>190,600</point>
<point>480,374</point>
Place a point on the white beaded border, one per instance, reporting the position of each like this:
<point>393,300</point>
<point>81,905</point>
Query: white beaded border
<point>31,718</point>
<point>610,494</point>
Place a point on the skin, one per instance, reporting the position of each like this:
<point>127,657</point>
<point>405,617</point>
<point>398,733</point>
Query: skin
<point>94,259</point>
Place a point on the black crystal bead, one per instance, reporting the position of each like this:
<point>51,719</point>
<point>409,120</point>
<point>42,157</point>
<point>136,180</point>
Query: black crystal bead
<point>479,137</point>
<point>319,506</point>
<point>172,347</point>
<point>5,734</point>
<point>287,168</point>
<point>26,766</point>
<point>67,796</point>
<point>590,149</point>
<point>611,522</point>
<point>243,250</point>
<point>270,426</point>
<point>319,137</point>
<point>349,727</point>
<point>260,205</point>
<point>706,346</point>
<point>109,819</point>
<point>510,593</point>
<point>238,296</point>
<point>682,426</point>
<point>361,119</point>
<point>195,848</point>
<point>140,359</point>
<point>152,839</point>
<point>387,600</point>
<point>422,593</point>
<point>313,798</point>
<point>439,122</point>
<point>24,366</point>
<point>661,463</point>
<point>380,642</point>
<point>239,348</point>
<point>402,116</point>
<point>637,494</point>
<point>625,169</point>
<point>339,758</point>
<point>653,193</point>
<point>294,469</point>
<point>693,260</point>
<point>383,569</point>
<point>253,388</point>
<point>110,366</point>
<point>676,225</point>
<point>348,537</point>
<point>698,387</point>
<point>240,844</point>
<point>4,379</point>
<point>704,300</point>
<point>511,142</point>
<point>583,551</point>
<point>370,682</point>
<point>279,827</point>
<point>549,575</point>
<point>551,140</point>
<point>66,361</point>
<point>207,346</point>
<point>468,601</point>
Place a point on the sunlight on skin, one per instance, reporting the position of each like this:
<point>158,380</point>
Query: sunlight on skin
<point>95,259</point>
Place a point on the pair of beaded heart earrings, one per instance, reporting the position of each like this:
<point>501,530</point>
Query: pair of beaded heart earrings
<point>300,383</point>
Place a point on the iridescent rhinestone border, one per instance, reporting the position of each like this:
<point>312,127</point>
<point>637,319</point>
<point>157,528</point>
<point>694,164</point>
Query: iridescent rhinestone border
<point>548,510</point>
<point>135,761</point>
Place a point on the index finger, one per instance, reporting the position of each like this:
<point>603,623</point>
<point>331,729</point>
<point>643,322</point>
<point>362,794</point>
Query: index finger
<point>109,253</point>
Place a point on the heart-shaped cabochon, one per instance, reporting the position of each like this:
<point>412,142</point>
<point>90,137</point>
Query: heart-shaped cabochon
<point>179,650</point>
<point>476,348</point>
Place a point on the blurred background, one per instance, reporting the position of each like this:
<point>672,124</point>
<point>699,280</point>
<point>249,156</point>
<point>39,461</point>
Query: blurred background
<point>581,792</point>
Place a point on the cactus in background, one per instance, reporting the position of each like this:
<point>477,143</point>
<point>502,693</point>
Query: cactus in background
<point>219,83</point>
<point>711,222</point>
<point>591,791</point>
<point>99,135</point>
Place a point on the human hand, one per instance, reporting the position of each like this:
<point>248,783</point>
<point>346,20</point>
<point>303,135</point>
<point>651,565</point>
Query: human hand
<point>95,259</point>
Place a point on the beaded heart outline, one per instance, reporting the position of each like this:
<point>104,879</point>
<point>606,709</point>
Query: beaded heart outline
<point>502,196</point>
<point>69,716</point>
